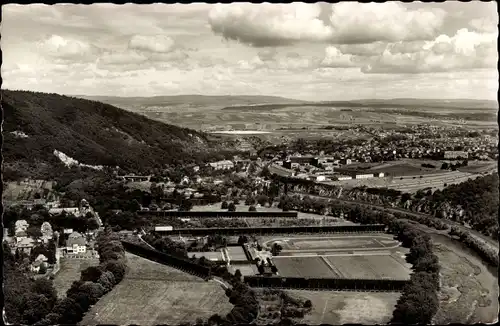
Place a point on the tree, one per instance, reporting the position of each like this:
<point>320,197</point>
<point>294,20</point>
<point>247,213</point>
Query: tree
<point>107,280</point>
<point>91,273</point>
<point>242,239</point>
<point>34,232</point>
<point>262,200</point>
<point>43,269</point>
<point>117,268</point>
<point>92,224</point>
<point>224,205</point>
<point>237,274</point>
<point>252,209</point>
<point>231,207</point>
<point>250,200</point>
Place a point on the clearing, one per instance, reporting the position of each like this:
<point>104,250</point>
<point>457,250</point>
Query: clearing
<point>153,294</point>
<point>69,272</point>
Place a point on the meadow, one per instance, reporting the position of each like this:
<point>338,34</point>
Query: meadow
<point>69,272</point>
<point>153,294</point>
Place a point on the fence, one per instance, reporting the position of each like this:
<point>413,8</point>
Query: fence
<point>387,285</point>
<point>278,230</point>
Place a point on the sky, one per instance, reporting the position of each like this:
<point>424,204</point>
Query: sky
<point>319,51</point>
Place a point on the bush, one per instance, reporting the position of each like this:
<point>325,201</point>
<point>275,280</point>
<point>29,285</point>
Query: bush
<point>252,209</point>
<point>231,207</point>
<point>224,205</point>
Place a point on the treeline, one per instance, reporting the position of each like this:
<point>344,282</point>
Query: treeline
<point>486,252</point>
<point>97,134</point>
<point>95,281</point>
<point>325,283</point>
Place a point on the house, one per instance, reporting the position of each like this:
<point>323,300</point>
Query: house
<point>76,243</point>
<point>25,245</point>
<point>196,168</point>
<point>364,176</point>
<point>185,180</point>
<point>343,177</point>
<point>455,155</point>
<point>46,230</point>
<point>20,228</point>
<point>35,267</point>
<point>320,178</point>
<point>346,161</point>
<point>68,210</point>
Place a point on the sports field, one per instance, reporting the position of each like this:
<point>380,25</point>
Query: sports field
<point>153,294</point>
<point>375,256</point>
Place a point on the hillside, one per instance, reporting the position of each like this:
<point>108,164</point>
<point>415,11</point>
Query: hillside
<point>192,100</point>
<point>92,133</point>
<point>382,103</point>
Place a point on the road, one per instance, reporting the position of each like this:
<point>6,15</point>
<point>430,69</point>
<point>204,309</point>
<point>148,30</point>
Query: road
<point>487,239</point>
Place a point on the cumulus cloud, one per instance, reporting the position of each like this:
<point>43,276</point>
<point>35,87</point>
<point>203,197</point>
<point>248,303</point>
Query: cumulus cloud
<point>349,23</point>
<point>122,58</point>
<point>60,47</point>
<point>265,24</point>
<point>464,51</point>
<point>354,22</point>
<point>369,49</point>
<point>334,58</point>
<point>156,43</point>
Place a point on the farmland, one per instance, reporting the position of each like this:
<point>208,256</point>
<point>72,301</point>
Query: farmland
<point>337,308</point>
<point>69,272</point>
<point>152,294</point>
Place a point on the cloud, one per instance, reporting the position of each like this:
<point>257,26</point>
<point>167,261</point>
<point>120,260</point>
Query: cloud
<point>157,43</point>
<point>265,24</point>
<point>60,47</point>
<point>334,58</point>
<point>354,22</point>
<point>464,51</point>
<point>349,23</point>
<point>122,58</point>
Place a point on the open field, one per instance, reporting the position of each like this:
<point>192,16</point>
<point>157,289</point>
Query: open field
<point>152,294</point>
<point>69,272</point>
<point>337,308</point>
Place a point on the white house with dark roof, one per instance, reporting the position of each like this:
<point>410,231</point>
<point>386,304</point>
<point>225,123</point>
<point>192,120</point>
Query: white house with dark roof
<point>76,244</point>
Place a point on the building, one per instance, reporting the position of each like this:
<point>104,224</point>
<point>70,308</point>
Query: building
<point>76,244</point>
<point>20,228</point>
<point>135,178</point>
<point>25,245</point>
<point>222,165</point>
<point>364,176</point>
<point>37,264</point>
<point>320,178</point>
<point>46,230</point>
<point>343,177</point>
<point>68,210</point>
<point>450,155</point>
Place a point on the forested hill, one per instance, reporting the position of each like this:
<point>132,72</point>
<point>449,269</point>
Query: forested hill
<point>36,124</point>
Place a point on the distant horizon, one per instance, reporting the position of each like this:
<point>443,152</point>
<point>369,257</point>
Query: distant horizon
<point>275,96</point>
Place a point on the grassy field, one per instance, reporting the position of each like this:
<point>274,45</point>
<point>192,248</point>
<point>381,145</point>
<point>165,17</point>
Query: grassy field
<point>369,266</point>
<point>332,243</point>
<point>337,308</point>
<point>303,267</point>
<point>152,294</point>
<point>70,272</point>
<point>244,269</point>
